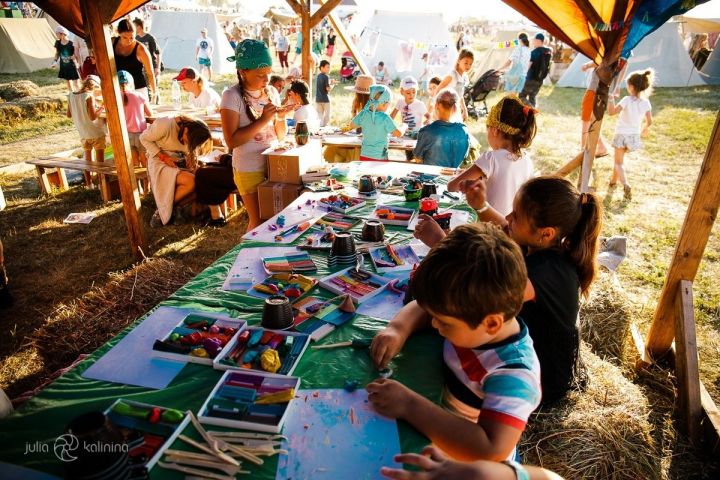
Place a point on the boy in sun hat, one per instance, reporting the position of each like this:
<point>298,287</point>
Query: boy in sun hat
<point>203,52</point>
<point>413,111</point>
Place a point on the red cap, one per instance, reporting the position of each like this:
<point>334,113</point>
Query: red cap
<point>187,72</point>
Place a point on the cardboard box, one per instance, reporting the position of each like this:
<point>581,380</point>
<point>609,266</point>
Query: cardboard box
<point>287,166</point>
<point>274,196</point>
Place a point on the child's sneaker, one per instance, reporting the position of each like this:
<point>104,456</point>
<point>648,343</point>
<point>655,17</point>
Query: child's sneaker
<point>628,193</point>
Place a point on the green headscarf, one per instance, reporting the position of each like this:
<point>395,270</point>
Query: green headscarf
<point>251,54</point>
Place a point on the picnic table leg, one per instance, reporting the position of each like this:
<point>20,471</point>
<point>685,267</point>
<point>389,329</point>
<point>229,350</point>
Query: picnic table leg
<point>105,192</point>
<point>43,180</point>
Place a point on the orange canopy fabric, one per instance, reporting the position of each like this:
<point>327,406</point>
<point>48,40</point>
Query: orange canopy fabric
<point>68,13</point>
<point>593,27</point>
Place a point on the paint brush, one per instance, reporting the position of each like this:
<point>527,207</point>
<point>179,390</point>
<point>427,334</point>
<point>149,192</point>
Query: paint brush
<point>355,343</point>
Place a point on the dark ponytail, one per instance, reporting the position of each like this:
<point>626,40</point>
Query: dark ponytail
<point>552,201</point>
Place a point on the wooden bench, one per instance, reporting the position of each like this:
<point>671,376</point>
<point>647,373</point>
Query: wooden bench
<point>51,173</point>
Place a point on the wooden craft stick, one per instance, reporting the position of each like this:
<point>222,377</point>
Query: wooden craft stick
<point>199,446</point>
<point>209,439</point>
<point>264,436</point>
<point>197,471</point>
<point>193,462</point>
<point>242,452</point>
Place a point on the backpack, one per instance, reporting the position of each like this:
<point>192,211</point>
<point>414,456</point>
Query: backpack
<point>543,67</point>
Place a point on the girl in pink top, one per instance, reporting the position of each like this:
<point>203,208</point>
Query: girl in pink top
<point>136,109</point>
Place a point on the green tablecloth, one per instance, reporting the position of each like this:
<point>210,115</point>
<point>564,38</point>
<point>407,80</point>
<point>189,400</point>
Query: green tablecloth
<point>42,419</point>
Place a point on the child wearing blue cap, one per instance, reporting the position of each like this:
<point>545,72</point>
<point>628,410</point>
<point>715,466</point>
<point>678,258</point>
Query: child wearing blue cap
<point>376,124</point>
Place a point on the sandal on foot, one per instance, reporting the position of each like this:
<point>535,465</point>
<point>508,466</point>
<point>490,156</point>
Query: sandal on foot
<point>628,192</point>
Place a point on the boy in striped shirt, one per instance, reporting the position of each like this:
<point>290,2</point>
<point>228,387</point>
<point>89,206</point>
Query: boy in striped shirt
<point>471,286</point>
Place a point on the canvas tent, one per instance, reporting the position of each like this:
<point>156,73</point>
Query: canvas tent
<point>399,39</point>
<point>178,32</point>
<point>711,70</point>
<point>27,45</point>
<point>662,50</point>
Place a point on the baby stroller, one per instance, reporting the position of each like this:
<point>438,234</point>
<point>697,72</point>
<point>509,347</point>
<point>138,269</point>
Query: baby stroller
<point>348,68</point>
<point>478,92</point>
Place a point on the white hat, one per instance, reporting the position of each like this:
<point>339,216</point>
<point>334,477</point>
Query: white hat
<point>408,83</point>
<point>61,29</point>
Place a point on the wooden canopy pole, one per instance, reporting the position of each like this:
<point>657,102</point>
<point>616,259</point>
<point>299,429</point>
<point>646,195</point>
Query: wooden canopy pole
<point>347,39</point>
<point>690,247</point>
<point>105,61</point>
<point>323,12</point>
<point>306,43</point>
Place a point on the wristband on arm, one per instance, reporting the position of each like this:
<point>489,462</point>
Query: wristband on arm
<point>520,472</point>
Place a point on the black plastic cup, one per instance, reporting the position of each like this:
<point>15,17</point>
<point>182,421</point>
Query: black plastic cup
<point>366,184</point>
<point>343,245</point>
<point>373,231</point>
<point>277,313</point>
<point>428,188</point>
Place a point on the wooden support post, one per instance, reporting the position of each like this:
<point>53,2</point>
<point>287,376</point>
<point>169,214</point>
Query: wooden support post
<point>570,166</point>
<point>690,247</point>
<point>347,39</point>
<point>686,362</point>
<point>711,424</point>
<point>306,45</point>
<point>295,5</point>
<point>322,12</point>
<point>589,155</point>
<point>105,61</point>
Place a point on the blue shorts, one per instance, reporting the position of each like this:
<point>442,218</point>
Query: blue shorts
<point>204,62</point>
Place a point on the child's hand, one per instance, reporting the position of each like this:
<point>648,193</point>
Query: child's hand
<point>475,193</point>
<point>166,159</point>
<point>645,132</point>
<point>437,466</point>
<point>269,112</point>
<point>428,231</point>
<point>389,398</point>
<point>386,345</point>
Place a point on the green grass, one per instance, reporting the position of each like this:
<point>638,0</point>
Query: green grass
<point>37,127</point>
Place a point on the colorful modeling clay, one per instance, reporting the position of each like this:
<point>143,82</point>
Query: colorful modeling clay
<point>270,360</point>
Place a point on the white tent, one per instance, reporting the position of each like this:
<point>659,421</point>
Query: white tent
<point>711,70</point>
<point>662,51</point>
<point>27,45</point>
<point>399,39</point>
<point>178,32</point>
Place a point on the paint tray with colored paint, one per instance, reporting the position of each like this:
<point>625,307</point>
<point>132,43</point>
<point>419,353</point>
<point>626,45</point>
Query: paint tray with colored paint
<point>292,285</point>
<point>291,262</point>
<point>318,316</point>
<point>343,203</point>
<point>148,430</point>
<point>267,351</point>
<point>198,338</point>
<point>393,215</point>
<point>360,285</point>
<point>338,221</point>
<point>390,258</point>
<point>249,400</point>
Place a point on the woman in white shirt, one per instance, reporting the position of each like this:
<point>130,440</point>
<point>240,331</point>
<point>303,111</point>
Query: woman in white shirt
<point>297,97</point>
<point>199,94</point>
<point>520,61</point>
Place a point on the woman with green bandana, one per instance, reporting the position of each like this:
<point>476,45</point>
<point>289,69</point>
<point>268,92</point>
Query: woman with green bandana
<point>251,120</point>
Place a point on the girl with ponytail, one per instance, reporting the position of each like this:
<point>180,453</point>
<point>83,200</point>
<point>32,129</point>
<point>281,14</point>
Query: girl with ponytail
<point>632,109</point>
<point>558,229</point>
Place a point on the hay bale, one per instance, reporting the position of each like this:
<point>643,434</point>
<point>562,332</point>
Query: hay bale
<point>20,89</point>
<point>31,108</point>
<point>86,323</point>
<point>605,317</point>
<point>600,433</point>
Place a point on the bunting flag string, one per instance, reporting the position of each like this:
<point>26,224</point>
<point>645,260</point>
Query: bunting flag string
<point>609,27</point>
<point>508,44</point>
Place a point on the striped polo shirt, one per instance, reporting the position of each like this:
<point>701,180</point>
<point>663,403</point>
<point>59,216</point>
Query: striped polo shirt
<point>502,380</point>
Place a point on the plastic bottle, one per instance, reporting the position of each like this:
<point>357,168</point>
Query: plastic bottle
<point>175,93</point>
